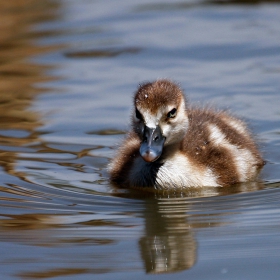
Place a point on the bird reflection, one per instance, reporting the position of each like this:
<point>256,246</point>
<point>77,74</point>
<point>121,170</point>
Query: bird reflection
<point>168,244</point>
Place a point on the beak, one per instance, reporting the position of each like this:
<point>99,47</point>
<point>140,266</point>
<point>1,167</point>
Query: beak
<point>152,144</point>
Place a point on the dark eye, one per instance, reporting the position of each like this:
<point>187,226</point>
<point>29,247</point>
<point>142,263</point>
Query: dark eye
<point>172,113</point>
<point>138,115</point>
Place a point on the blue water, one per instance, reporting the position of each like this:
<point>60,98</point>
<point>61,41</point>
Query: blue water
<point>68,71</point>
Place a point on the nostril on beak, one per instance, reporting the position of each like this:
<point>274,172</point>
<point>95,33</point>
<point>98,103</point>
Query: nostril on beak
<point>152,144</point>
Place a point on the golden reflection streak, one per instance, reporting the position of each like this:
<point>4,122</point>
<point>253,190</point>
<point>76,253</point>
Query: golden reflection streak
<point>19,76</point>
<point>53,273</point>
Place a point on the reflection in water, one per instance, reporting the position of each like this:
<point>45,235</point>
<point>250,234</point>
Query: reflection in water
<point>190,4</point>
<point>168,244</point>
<point>90,230</point>
<point>55,273</point>
<point>18,77</point>
<point>240,2</point>
<point>59,239</point>
<point>43,229</point>
<point>102,53</point>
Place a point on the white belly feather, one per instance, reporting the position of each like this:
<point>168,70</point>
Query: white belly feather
<point>175,172</point>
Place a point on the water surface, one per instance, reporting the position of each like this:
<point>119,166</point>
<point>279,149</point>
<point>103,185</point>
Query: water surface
<point>68,70</point>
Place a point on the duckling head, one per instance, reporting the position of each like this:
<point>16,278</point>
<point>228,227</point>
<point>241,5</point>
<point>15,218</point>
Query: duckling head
<point>160,118</point>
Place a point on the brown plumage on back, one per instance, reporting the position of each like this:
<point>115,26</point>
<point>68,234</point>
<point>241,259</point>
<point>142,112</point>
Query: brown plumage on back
<point>172,145</point>
<point>222,154</point>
